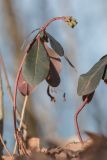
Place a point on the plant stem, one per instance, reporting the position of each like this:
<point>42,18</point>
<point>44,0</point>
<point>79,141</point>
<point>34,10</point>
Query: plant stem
<point>76,119</point>
<point>23,112</point>
<point>5,147</point>
<point>43,28</point>
<point>50,21</point>
<point>7,81</point>
<point>21,121</point>
<point>15,91</point>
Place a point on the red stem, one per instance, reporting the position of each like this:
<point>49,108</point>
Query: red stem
<point>76,119</point>
<point>50,21</point>
<point>43,28</point>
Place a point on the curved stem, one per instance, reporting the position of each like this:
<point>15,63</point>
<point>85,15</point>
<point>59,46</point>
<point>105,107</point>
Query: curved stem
<point>50,21</point>
<point>76,118</point>
<point>43,28</point>
<point>5,147</point>
<point>7,83</point>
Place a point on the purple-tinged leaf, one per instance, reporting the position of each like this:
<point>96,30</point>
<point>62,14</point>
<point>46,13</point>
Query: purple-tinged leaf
<point>23,86</point>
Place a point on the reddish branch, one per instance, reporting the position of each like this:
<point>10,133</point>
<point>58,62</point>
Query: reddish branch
<point>76,119</point>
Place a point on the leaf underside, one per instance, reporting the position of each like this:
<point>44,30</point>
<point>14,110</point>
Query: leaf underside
<point>56,45</point>
<point>36,66</point>
<point>88,82</point>
<point>55,59</point>
<point>23,87</point>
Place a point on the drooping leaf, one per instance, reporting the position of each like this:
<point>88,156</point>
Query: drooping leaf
<point>55,45</point>
<point>23,87</point>
<point>89,96</point>
<point>88,82</point>
<point>55,59</point>
<point>36,66</point>
<point>69,62</point>
<point>53,78</point>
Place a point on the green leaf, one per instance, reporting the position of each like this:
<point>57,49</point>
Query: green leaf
<point>36,66</point>
<point>55,45</point>
<point>88,82</point>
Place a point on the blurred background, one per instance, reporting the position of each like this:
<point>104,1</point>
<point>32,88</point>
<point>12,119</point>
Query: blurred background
<point>84,45</point>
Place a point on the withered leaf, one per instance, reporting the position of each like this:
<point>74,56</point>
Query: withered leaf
<point>53,78</point>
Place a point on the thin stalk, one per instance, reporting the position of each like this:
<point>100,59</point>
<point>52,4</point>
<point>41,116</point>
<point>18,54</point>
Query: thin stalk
<point>50,21</point>
<point>15,92</point>
<point>23,112</point>
<point>5,147</point>
<point>8,86</point>
<point>7,81</point>
<point>43,28</point>
<point>21,121</point>
<point>76,119</point>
